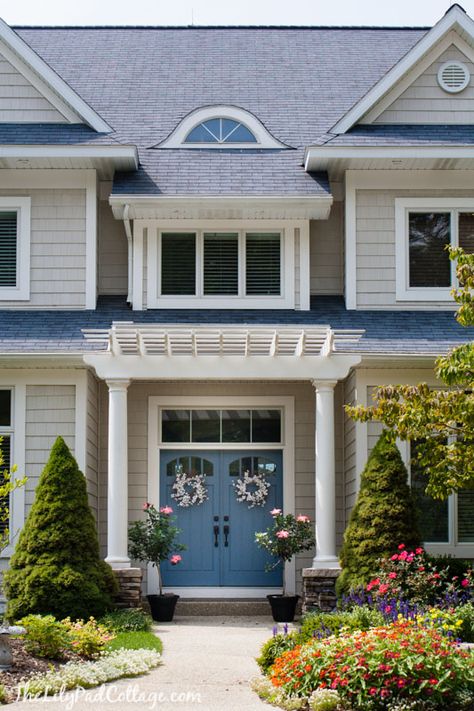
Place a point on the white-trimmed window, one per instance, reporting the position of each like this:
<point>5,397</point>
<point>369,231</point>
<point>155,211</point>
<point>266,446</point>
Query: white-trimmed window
<point>444,525</point>
<point>424,228</point>
<point>6,433</point>
<point>220,265</point>
<point>15,248</point>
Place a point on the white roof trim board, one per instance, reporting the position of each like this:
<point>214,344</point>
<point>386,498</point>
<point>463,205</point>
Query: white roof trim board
<point>128,339</point>
<point>454,19</point>
<point>44,72</point>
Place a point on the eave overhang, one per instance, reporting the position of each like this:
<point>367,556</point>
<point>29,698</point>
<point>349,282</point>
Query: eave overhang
<point>337,159</point>
<point>106,159</point>
<point>240,207</point>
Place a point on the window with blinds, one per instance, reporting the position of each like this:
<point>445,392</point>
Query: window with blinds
<point>262,264</point>
<point>429,233</point>
<point>221,264</point>
<point>178,264</point>
<point>8,248</point>
<point>465,516</point>
<point>466,231</point>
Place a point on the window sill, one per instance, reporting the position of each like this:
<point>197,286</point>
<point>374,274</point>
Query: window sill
<point>424,294</point>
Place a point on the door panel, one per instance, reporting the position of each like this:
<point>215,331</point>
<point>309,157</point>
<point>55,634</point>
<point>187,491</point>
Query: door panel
<point>241,562</point>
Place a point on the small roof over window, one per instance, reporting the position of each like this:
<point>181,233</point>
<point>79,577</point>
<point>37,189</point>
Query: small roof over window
<point>221,126</point>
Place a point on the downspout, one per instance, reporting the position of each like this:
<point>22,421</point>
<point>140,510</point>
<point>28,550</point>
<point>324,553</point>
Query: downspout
<point>128,232</point>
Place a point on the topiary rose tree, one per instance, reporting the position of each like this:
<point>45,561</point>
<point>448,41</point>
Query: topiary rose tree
<point>383,517</point>
<point>56,567</point>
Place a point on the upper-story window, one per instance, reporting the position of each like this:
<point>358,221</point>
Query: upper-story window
<point>220,130</point>
<point>424,231</point>
<point>14,248</point>
<point>221,126</point>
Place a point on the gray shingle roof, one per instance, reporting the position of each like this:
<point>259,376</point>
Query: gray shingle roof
<point>143,81</point>
<point>404,135</point>
<point>386,332</point>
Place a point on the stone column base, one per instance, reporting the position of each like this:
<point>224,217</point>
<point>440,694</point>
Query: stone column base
<point>319,589</point>
<point>130,587</point>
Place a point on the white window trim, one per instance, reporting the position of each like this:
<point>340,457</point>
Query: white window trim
<point>403,206</point>
<point>287,445</point>
<point>286,299</point>
<point>264,139</point>
<point>22,206</point>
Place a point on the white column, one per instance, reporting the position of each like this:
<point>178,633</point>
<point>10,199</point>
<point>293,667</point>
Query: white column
<point>117,489</point>
<point>326,556</point>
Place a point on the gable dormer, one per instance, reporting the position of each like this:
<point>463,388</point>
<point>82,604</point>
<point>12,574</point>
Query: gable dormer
<point>432,84</point>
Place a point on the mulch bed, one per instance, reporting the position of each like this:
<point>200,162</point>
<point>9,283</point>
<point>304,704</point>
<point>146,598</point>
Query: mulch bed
<point>24,666</point>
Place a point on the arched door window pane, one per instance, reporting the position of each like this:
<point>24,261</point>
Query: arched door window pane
<point>220,130</point>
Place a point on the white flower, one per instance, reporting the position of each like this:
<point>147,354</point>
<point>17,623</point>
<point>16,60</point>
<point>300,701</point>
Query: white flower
<point>189,490</point>
<point>257,497</point>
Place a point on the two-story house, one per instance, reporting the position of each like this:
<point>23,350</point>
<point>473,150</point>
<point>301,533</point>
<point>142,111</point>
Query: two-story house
<point>210,240</point>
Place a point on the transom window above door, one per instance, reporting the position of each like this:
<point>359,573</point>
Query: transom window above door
<point>221,426</point>
<point>215,264</point>
<point>425,229</point>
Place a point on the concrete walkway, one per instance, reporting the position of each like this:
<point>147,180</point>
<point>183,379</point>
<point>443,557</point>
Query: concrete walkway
<point>207,664</point>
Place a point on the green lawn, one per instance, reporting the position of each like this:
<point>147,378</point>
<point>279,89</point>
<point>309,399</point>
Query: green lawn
<point>135,640</point>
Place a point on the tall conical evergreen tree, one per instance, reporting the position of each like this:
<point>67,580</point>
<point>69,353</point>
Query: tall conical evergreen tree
<point>56,568</point>
<point>383,517</point>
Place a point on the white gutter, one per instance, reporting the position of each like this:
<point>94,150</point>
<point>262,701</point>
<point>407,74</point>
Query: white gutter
<point>319,157</point>
<point>128,232</point>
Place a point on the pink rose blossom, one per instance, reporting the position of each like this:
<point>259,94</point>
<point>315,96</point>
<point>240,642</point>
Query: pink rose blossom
<point>175,559</point>
<point>401,546</point>
<point>465,583</point>
<point>394,557</point>
<point>166,510</point>
<point>282,534</point>
<point>403,555</point>
<point>275,512</point>
<point>146,506</point>
<point>419,551</point>
<point>302,519</point>
<point>383,589</point>
<point>392,575</point>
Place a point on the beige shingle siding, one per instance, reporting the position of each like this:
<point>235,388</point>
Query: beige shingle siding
<point>58,249</point>
<point>113,253</point>
<point>426,102</point>
<point>20,102</point>
<point>375,212</point>
<point>50,411</point>
<point>326,253</point>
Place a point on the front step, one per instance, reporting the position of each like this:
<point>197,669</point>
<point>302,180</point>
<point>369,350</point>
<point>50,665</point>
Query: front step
<point>232,607</point>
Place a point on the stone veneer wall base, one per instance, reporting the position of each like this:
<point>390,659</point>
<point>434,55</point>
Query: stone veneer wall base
<point>319,589</point>
<point>130,587</point>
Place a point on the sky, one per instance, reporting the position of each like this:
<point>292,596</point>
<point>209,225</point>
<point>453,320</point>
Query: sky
<point>227,12</point>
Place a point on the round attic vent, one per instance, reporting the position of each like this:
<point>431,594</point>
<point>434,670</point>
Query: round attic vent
<point>453,77</point>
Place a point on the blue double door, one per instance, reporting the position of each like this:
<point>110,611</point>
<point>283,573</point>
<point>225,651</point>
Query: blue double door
<point>220,533</point>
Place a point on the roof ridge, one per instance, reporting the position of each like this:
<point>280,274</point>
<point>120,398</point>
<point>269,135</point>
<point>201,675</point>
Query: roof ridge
<point>220,27</point>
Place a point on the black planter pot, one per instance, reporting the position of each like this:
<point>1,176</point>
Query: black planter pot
<point>283,607</point>
<point>162,606</point>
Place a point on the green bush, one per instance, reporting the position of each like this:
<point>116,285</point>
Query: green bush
<point>45,636</point>
<point>56,568</point>
<point>455,567</point>
<point>384,516</point>
<point>322,624</point>
<point>133,619</point>
<point>274,647</point>
<point>135,640</point>
<point>88,639</point>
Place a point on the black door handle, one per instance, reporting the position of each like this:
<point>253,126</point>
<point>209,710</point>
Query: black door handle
<point>216,536</point>
<point>226,536</point>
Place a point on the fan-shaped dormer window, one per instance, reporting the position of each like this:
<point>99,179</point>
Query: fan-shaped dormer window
<point>220,130</point>
<point>221,126</point>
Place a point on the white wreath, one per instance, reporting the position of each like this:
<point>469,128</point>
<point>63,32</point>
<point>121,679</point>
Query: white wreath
<point>189,490</point>
<point>252,498</point>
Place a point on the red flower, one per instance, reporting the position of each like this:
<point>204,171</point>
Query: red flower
<point>383,589</point>
<point>465,582</point>
<point>401,546</point>
<point>418,551</point>
<point>392,575</point>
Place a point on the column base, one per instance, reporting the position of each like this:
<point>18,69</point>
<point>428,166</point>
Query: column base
<point>118,563</point>
<point>130,587</point>
<point>319,589</point>
<point>329,562</point>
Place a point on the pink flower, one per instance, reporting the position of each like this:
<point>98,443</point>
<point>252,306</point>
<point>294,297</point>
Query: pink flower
<point>418,551</point>
<point>146,506</point>
<point>401,546</point>
<point>275,512</point>
<point>392,575</point>
<point>394,557</point>
<point>302,519</point>
<point>166,510</point>
<point>175,559</point>
<point>465,583</point>
<point>403,555</point>
<point>282,534</point>
<point>383,589</point>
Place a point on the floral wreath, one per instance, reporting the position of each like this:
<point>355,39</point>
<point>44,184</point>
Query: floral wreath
<point>252,498</point>
<point>189,489</point>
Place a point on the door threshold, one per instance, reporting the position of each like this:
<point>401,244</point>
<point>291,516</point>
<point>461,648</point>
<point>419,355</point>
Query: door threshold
<point>223,593</point>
